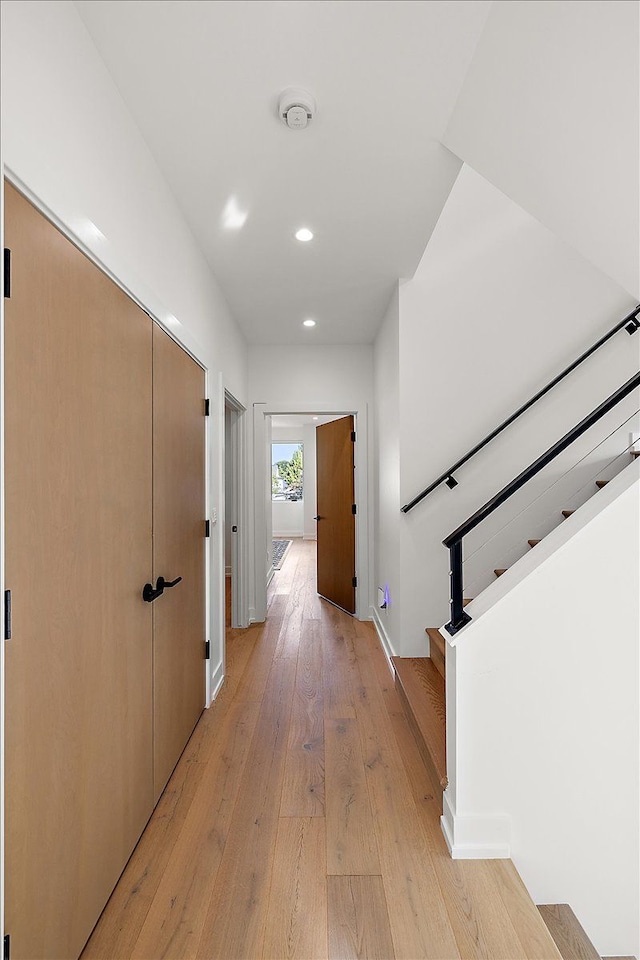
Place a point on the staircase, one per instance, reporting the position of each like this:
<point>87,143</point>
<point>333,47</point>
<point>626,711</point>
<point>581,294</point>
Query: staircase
<point>421,685</point>
<point>420,682</point>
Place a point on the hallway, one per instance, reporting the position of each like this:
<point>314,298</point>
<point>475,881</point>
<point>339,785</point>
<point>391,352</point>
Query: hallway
<point>300,823</point>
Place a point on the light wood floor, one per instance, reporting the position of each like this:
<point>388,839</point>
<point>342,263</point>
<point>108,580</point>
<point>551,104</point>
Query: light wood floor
<point>300,822</point>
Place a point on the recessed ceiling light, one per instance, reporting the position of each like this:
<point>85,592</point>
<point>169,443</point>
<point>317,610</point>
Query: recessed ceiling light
<point>304,234</point>
<point>314,418</point>
<point>308,323</point>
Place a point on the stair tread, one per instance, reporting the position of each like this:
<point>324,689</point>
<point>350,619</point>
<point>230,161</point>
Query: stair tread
<point>466,601</point>
<point>567,513</point>
<point>566,930</point>
<point>500,571</point>
<point>437,649</point>
<point>423,691</point>
<point>601,483</point>
<point>533,543</point>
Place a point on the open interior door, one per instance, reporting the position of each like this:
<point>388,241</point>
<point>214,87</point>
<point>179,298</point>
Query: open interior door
<point>336,513</point>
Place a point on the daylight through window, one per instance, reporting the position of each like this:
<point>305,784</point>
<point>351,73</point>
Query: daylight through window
<point>286,471</point>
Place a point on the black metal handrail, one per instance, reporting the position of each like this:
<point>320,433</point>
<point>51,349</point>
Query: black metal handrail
<point>459,617</point>
<point>630,323</point>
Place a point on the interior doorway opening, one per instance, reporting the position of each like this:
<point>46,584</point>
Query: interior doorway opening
<point>287,445</point>
<point>293,475</point>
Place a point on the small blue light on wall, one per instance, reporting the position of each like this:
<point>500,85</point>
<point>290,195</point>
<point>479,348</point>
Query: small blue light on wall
<point>384,598</point>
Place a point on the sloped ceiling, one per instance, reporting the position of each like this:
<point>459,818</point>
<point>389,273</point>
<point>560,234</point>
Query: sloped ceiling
<point>549,113</point>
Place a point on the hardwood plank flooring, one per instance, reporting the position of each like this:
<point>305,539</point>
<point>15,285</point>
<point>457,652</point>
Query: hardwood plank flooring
<point>300,821</point>
<point>235,923</point>
<point>297,927</point>
<point>303,787</point>
<point>175,918</point>
<point>358,919</point>
<point>351,845</point>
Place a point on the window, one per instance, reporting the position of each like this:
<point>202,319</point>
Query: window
<point>286,471</point>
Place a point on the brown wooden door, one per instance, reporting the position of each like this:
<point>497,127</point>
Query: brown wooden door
<point>336,527</point>
<point>178,551</point>
<point>78,477</point>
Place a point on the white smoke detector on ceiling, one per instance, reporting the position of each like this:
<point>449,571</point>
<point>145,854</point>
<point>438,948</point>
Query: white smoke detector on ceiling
<point>296,107</point>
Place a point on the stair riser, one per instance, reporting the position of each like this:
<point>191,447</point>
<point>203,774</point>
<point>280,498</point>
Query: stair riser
<point>437,650</point>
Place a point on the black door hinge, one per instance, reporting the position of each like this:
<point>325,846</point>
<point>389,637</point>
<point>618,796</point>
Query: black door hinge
<point>354,509</point>
<point>207,407</point>
<point>7,614</point>
<point>207,650</point>
<point>207,528</point>
<point>353,436</point>
<point>354,581</point>
<point>7,273</point>
<point>7,947</point>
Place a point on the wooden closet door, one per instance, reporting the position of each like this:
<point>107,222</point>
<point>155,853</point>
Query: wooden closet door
<point>178,551</point>
<point>78,476</point>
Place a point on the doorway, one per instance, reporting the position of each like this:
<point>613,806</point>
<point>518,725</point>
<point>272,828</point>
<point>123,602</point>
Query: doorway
<point>273,423</point>
<point>234,526</point>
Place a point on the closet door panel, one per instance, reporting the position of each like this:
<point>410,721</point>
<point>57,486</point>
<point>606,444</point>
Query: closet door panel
<point>178,550</point>
<point>78,443</point>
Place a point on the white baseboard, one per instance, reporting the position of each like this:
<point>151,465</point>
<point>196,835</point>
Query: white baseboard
<point>270,575</point>
<point>309,538</point>
<point>475,838</point>
<point>288,536</point>
<point>384,638</point>
<point>217,679</point>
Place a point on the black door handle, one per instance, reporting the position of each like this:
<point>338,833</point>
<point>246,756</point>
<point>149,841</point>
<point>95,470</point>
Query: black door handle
<point>318,518</point>
<point>162,583</point>
<point>151,593</point>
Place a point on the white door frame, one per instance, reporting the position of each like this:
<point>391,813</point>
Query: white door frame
<point>262,498</point>
<point>237,495</point>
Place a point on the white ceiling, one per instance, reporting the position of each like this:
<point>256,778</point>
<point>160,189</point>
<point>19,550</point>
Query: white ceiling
<point>368,175</point>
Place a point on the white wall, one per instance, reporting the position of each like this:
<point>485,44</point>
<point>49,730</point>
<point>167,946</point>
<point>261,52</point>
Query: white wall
<point>315,376</point>
<point>549,113</point>
<point>69,140</point>
<point>497,307</point>
<point>545,721</point>
<point>387,480</point>
<point>323,380</point>
<point>288,518</point>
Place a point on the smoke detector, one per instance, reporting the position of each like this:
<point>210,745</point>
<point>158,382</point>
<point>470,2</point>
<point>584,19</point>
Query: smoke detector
<point>296,108</point>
